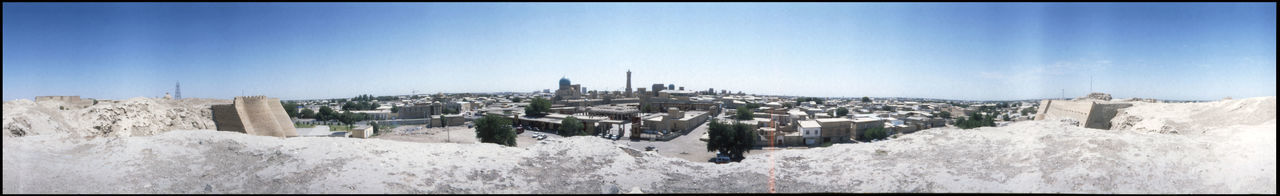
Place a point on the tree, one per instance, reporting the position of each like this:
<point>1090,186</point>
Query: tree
<point>1028,110</point>
<point>801,100</point>
<point>887,108</point>
<point>326,113</point>
<point>290,108</point>
<point>1004,117</point>
<point>875,133</point>
<point>495,129</point>
<point>538,107</point>
<point>375,127</point>
<point>515,99</point>
<point>944,114</point>
<point>866,100</point>
<point>395,109</point>
<point>842,111</point>
<point>976,120</point>
<point>307,113</point>
<point>571,126</point>
<point>347,118</point>
<point>745,138</point>
<point>743,113</point>
<point>734,140</point>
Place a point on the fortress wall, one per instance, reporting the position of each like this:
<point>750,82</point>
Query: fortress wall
<point>281,118</point>
<point>1059,109</point>
<point>1090,114</point>
<point>258,113</point>
<point>1044,106</point>
<point>225,118</point>
<point>254,115</point>
<point>1101,114</point>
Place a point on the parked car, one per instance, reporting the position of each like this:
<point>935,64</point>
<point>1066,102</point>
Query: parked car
<point>649,148</point>
<point>721,159</point>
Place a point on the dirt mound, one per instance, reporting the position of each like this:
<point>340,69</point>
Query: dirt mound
<point>1195,118</point>
<point>136,116</point>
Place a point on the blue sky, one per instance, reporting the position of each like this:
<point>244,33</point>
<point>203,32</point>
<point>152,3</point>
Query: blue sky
<point>934,50</point>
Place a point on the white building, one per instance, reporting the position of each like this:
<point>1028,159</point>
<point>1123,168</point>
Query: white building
<point>811,131</point>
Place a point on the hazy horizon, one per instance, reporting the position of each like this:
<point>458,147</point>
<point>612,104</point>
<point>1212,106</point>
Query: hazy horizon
<point>958,51</point>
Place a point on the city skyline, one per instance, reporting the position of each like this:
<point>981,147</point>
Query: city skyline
<point>964,51</point>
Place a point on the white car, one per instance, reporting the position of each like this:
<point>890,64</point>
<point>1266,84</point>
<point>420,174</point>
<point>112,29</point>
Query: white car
<point>705,137</point>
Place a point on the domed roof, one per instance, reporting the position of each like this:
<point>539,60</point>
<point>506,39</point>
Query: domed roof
<point>564,81</point>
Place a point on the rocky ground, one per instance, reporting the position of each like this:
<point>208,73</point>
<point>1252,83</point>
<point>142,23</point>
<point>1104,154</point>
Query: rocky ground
<point>133,117</point>
<point>1230,155</point>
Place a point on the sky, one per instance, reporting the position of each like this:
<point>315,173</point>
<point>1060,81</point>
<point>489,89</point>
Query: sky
<point>964,51</point>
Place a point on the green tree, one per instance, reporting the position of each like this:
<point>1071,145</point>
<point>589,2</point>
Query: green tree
<point>944,114</point>
<point>538,107</point>
<point>732,139</point>
<point>515,99</point>
<point>743,113</point>
<point>290,108</point>
<point>842,111</point>
<point>571,126</point>
<point>395,109</point>
<point>495,129</point>
<point>347,118</point>
<point>1028,111</point>
<point>866,100</point>
<point>326,113</point>
<point>875,133</point>
<point>745,138</point>
<point>721,137</point>
<point>348,106</point>
<point>307,113</point>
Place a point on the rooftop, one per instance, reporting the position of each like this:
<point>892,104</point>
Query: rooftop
<point>809,124</point>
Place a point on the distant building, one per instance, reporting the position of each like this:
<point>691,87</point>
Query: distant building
<point>568,91</point>
<point>362,132</point>
<point>836,129</point>
<point>420,111</point>
<point>811,131</point>
<point>629,84</point>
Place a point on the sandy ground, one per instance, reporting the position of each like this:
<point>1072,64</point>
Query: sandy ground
<point>1229,155</point>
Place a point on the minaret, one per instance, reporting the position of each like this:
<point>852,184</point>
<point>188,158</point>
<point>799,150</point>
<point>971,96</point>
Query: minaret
<point>177,91</point>
<point>628,83</point>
